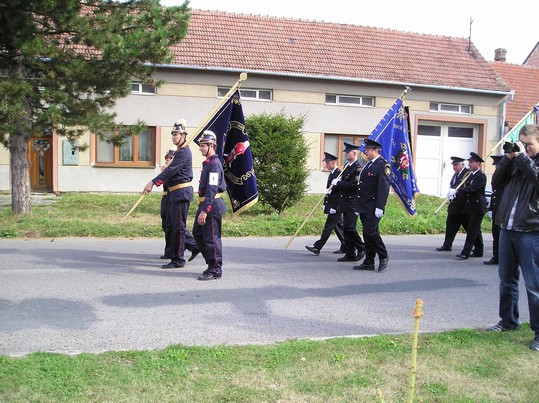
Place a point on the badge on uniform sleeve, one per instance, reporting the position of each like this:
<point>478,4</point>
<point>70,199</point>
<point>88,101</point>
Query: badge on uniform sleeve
<point>387,170</point>
<point>214,179</point>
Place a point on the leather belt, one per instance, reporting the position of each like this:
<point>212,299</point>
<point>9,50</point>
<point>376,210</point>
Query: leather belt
<point>217,196</point>
<point>179,186</point>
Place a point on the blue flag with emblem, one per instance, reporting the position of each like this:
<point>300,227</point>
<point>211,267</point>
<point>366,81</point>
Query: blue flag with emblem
<point>228,124</point>
<point>392,133</point>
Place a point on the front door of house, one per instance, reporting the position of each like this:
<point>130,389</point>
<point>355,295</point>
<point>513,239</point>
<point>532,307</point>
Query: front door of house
<point>40,158</point>
<point>436,143</point>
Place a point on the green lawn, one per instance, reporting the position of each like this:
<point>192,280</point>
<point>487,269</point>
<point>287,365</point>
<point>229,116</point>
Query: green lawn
<point>457,366</point>
<point>100,215</point>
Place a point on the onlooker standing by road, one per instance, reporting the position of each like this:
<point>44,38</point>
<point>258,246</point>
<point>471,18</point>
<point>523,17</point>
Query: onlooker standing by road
<point>373,194</point>
<point>518,217</point>
<point>347,186</point>
<point>456,210</point>
<point>208,220</point>
<point>495,196</point>
<point>331,203</point>
<point>178,176</point>
<point>476,207</point>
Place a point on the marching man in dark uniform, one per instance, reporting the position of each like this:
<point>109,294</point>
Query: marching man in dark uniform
<point>476,207</point>
<point>495,197</point>
<point>456,210</point>
<point>373,194</point>
<point>347,186</point>
<point>178,176</point>
<point>207,227</point>
<point>331,203</point>
<point>165,218</point>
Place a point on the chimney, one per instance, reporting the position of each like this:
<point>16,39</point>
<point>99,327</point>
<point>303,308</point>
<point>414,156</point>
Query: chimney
<point>499,55</point>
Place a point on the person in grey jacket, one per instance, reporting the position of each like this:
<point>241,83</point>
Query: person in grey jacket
<point>518,218</point>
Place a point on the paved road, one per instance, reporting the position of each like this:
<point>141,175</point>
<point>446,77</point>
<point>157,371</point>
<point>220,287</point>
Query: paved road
<point>76,295</point>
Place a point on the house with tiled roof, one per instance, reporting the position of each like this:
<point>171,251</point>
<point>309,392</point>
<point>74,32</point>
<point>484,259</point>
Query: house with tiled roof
<point>342,78</point>
<point>524,80</point>
<point>533,57</point>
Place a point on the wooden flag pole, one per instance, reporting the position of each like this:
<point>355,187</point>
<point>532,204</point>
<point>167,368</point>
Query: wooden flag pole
<point>510,132</point>
<point>188,139</point>
<point>313,210</point>
<point>462,182</point>
<point>304,222</point>
<point>192,136</point>
<point>133,208</point>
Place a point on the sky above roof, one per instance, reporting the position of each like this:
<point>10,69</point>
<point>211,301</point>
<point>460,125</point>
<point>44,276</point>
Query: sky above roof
<point>511,27</point>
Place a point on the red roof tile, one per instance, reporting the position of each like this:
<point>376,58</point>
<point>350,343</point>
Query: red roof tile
<point>525,81</point>
<point>320,49</point>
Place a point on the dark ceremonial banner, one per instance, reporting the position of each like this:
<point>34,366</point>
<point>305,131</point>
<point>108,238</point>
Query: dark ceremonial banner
<point>392,133</point>
<point>233,148</point>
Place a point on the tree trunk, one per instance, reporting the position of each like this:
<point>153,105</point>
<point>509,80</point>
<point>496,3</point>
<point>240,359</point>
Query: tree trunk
<point>20,177</point>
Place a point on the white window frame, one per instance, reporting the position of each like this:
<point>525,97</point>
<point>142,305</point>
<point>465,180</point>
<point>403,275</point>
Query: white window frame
<point>244,93</point>
<point>142,89</point>
<point>447,107</point>
<point>340,99</point>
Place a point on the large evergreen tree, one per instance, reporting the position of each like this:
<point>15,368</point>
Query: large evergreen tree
<point>64,63</point>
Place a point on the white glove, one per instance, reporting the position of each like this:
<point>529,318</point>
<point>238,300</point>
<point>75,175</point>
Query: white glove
<point>327,191</point>
<point>378,213</point>
<point>489,214</point>
<point>451,193</point>
<point>335,181</point>
<point>332,211</point>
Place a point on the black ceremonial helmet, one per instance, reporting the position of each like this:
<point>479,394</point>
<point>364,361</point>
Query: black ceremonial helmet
<point>208,137</point>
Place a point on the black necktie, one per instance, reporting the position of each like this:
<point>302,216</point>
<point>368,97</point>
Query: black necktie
<point>366,167</point>
<point>454,180</point>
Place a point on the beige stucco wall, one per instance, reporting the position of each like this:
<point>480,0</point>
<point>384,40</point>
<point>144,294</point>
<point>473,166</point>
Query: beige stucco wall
<point>192,95</point>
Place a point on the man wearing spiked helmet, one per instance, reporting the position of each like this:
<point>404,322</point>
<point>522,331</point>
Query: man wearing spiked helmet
<point>207,226</point>
<point>178,176</point>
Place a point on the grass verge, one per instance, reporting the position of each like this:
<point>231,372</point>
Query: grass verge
<point>456,366</point>
<point>100,215</point>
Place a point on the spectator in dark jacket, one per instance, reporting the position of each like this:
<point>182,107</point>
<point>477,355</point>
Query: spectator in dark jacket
<point>518,217</point>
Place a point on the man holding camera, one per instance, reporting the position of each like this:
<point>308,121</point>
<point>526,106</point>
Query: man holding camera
<point>518,218</point>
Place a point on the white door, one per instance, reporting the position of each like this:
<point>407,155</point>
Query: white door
<point>437,142</point>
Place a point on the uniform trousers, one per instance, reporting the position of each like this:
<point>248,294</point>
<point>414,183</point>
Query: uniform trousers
<point>208,238</point>
<point>180,237</point>
<point>333,222</point>
<point>474,238</point>
<point>166,225</point>
<point>352,240</point>
<point>452,227</point>
<point>373,240</point>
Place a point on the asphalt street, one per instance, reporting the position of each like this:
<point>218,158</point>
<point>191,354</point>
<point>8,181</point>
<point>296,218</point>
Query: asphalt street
<point>75,295</point>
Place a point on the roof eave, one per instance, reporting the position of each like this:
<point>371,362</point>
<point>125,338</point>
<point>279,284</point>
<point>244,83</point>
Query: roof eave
<point>334,78</point>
